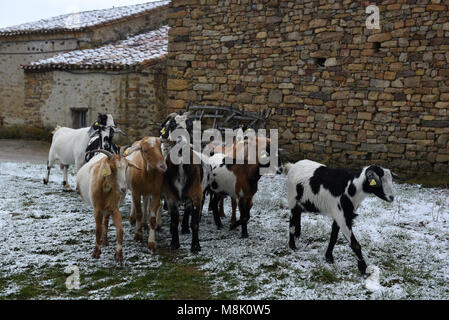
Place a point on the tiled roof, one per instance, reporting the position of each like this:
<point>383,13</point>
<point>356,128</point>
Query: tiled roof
<point>135,52</point>
<point>81,21</point>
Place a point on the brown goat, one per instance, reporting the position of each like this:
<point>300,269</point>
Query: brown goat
<point>239,180</point>
<point>146,183</point>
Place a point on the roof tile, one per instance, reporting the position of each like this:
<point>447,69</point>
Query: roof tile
<point>126,54</point>
<point>82,20</point>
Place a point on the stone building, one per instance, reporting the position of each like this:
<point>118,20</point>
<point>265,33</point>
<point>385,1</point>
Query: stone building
<point>126,78</point>
<point>38,41</point>
<point>340,92</point>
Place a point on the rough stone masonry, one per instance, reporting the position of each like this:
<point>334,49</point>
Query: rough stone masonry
<point>340,92</point>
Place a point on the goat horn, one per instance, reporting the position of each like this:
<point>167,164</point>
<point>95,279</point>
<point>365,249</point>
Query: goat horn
<point>172,115</point>
<point>395,176</point>
<point>130,151</point>
<point>117,130</point>
<point>107,153</point>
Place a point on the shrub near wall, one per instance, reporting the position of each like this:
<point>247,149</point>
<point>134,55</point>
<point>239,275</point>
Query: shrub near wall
<point>341,93</point>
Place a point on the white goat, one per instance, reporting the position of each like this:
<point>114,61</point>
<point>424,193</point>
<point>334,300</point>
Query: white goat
<point>313,187</point>
<point>69,146</point>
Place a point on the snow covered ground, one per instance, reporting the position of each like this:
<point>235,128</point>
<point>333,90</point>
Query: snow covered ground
<point>44,230</point>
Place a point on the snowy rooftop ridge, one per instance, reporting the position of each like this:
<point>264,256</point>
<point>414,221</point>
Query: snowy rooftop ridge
<point>126,54</point>
<point>82,20</point>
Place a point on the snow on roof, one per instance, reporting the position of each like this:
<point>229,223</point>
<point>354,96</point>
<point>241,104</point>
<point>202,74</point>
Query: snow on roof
<point>81,21</point>
<point>126,54</point>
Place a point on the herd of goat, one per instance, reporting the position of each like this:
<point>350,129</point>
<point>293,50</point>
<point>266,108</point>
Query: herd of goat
<point>105,172</point>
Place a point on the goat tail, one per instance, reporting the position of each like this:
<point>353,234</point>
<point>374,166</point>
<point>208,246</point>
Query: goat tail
<point>56,129</point>
<point>286,168</point>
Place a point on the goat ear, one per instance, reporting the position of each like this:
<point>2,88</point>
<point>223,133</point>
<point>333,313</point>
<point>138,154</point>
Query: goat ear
<point>132,164</point>
<point>373,178</point>
<point>105,169</point>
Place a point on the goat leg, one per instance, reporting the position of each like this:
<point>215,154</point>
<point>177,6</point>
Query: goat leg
<point>98,233</point>
<point>138,215</point>
<point>295,226</point>
<point>104,237</point>
<point>117,219</point>
<point>185,219</point>
<point>215,201</point>
<point>154,208</point>
<point>195,230</point>
<point>222,214</point>
<point>234,210</point>
<point>174,221</point>
<point>334,235</point>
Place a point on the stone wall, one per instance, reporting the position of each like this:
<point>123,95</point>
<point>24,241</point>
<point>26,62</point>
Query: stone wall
<point>341,93</point>
<point>22,49</point>
<point>136,100</point>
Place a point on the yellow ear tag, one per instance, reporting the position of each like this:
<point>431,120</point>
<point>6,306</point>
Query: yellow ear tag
<point>264,156</point>
<point>96,123</point>
<point>372,183</point>
<point>104,172</point>
<point>163,131</point>
<point>126,153</point>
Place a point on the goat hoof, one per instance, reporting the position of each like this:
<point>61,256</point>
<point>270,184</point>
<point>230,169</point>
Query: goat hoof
<point>132,221</point>
<point>45,181</point>
<point>330,259</point>
<point>244,235</point>
<point>174,246</point>
<point>152,247</point>
<point>145,226</point>
<point>233,226</point>
<point>219,226</point>
<point>119,257</point>
<point>138,237</point>
<point>105,243</point>
<point>195,248</point>
<point>292,245</point>
<point>96,254</point>
<point>362,267</point>
<point>185,231</point>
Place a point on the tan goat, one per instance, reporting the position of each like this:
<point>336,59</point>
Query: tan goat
<point>102,183</point>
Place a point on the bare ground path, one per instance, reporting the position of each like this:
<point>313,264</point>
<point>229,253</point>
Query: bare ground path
<point>24,151</point>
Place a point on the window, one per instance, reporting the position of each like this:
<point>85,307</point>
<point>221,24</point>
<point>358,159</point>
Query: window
<point>79,117</point>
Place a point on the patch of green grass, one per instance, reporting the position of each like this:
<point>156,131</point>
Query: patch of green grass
<point>413,276</point>
<point>170,280</point>
<point>27,203</point>
<point>324,275</point>
<point>25,132</point>
<point>431,180</point>
<point>50,252</point>
<point>41,217</point>
<point>71,242</point>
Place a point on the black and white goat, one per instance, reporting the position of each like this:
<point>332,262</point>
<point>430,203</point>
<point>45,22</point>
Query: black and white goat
<point>313,187</point>
<point>183,183</point>
<point>101,135</point>
<point>69,146</point>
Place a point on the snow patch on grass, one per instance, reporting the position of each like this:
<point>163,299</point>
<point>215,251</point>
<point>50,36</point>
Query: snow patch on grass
<point>44,230</point>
